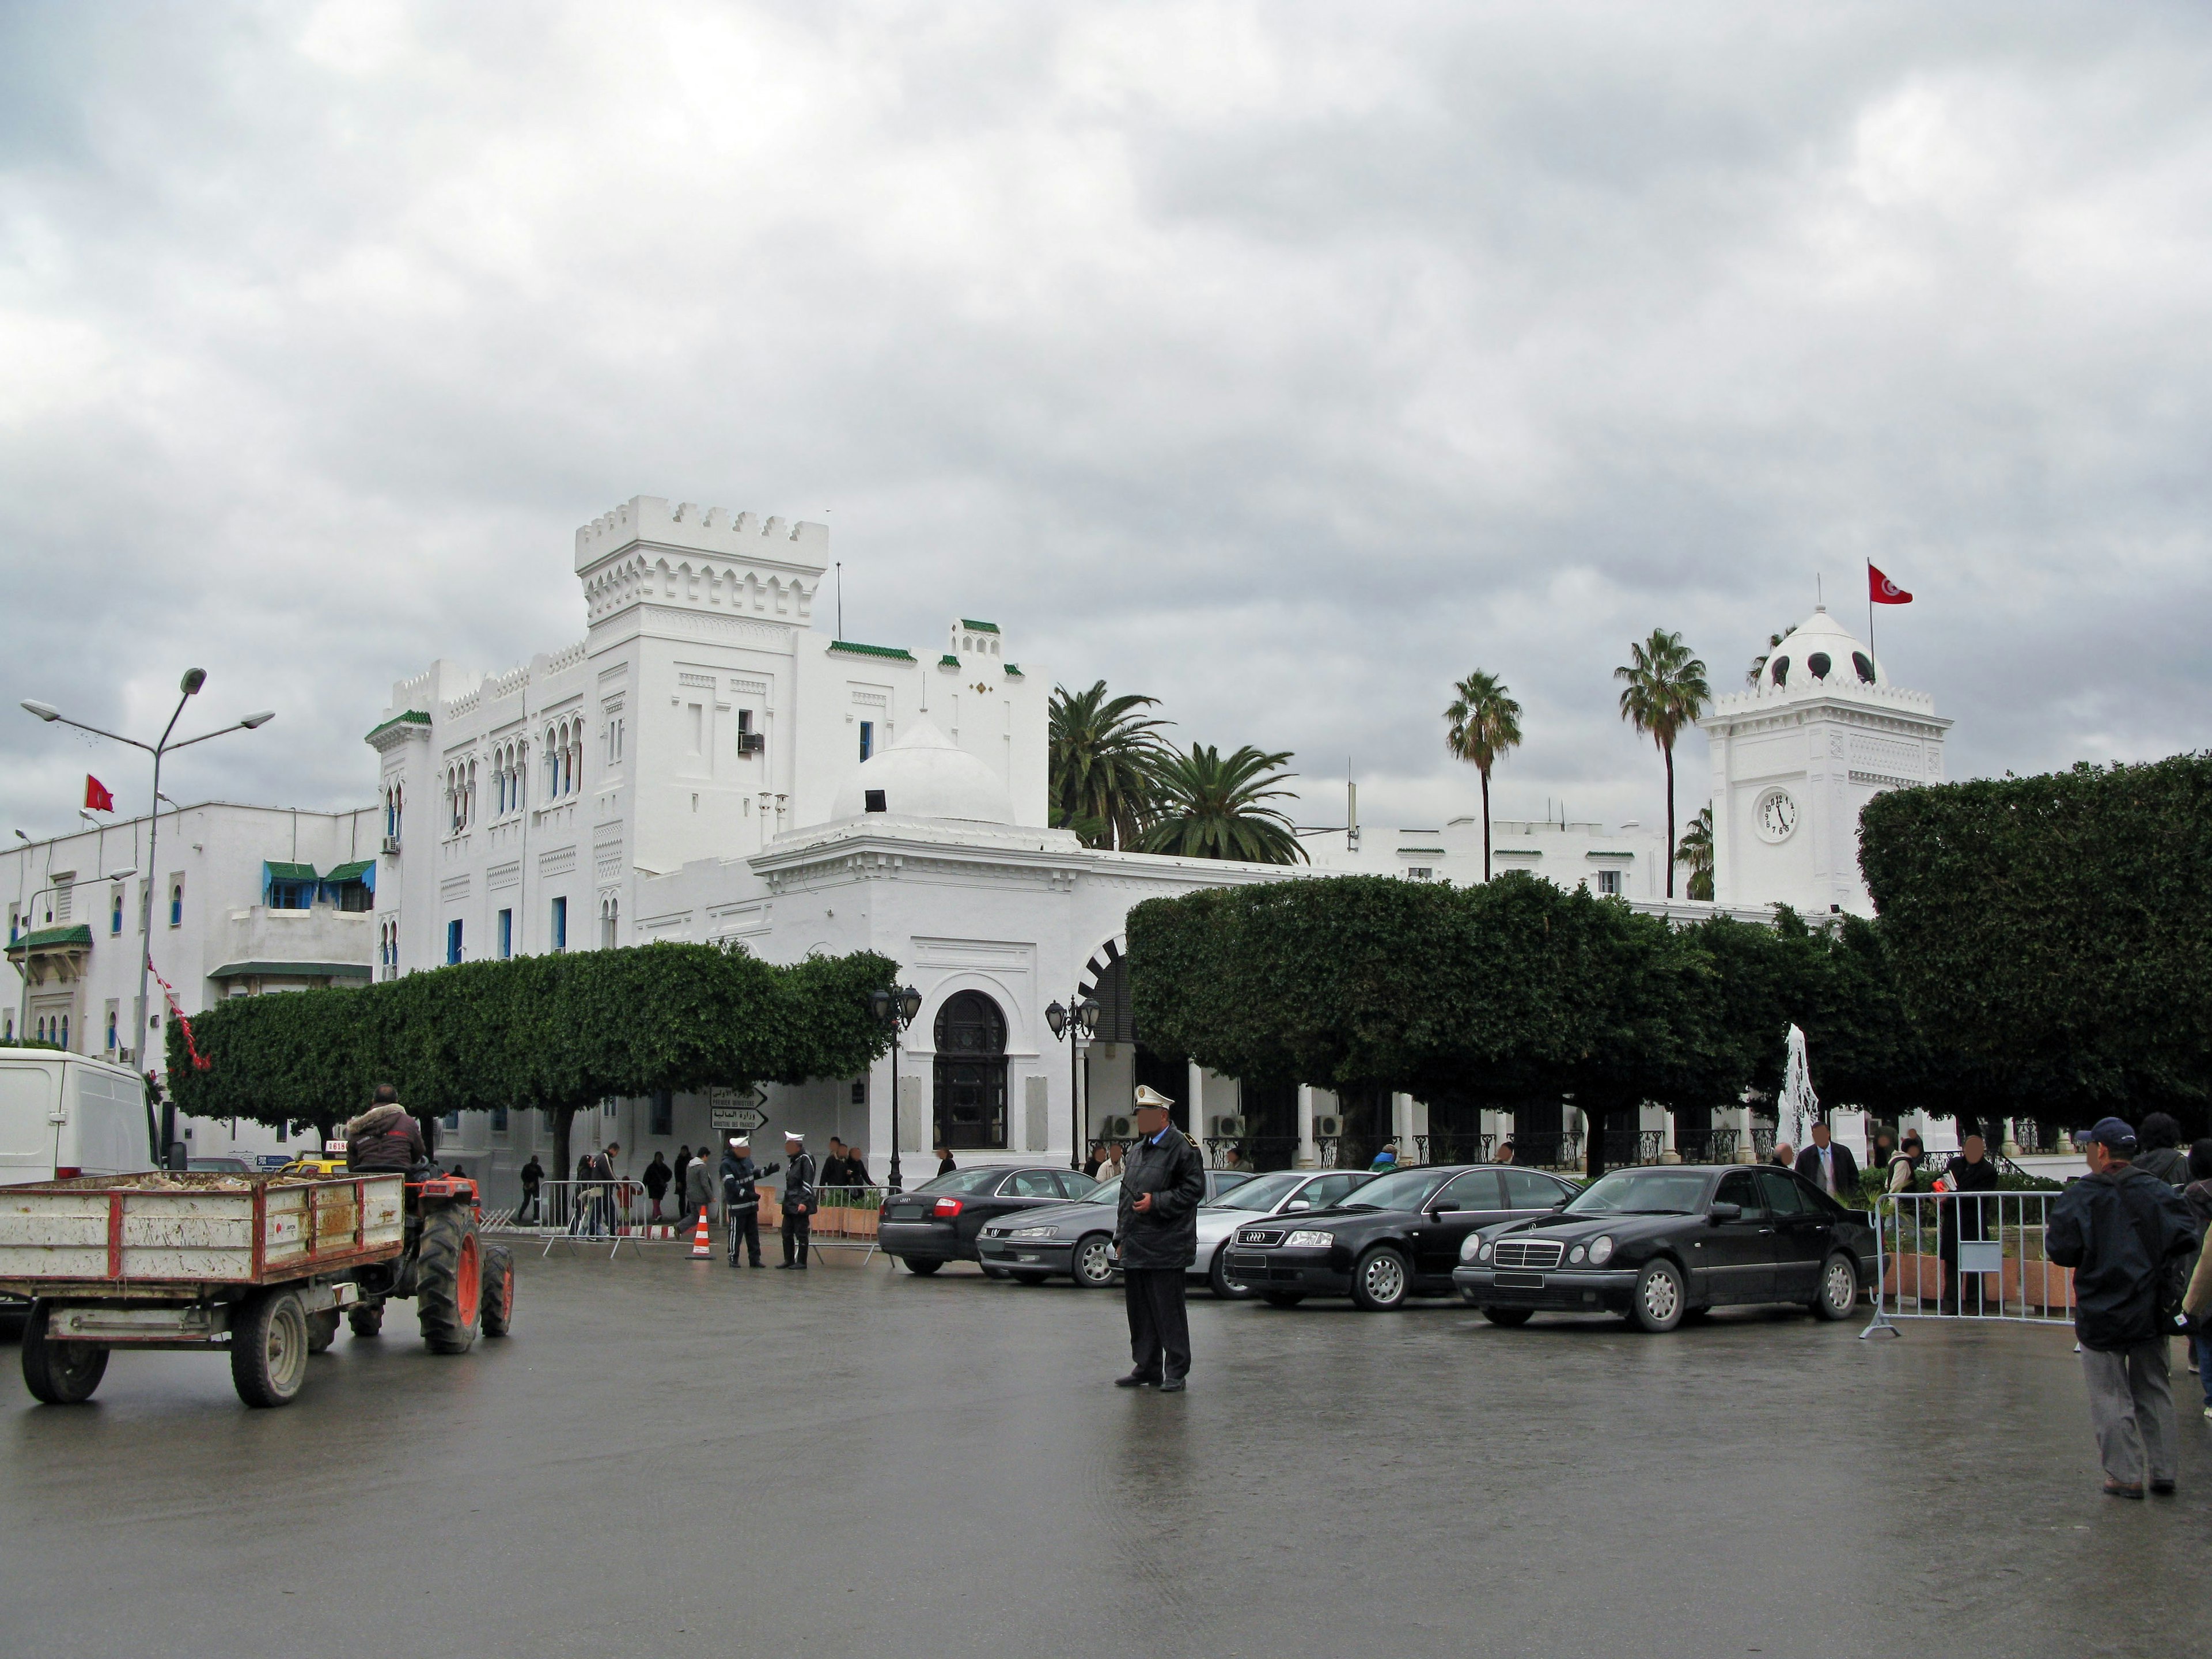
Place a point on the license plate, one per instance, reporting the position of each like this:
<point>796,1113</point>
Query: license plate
<point>1519,1281</point>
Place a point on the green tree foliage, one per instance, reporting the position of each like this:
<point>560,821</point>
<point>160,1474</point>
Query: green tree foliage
<point>1665,691</point>
<point>557,1033</point>
<point>2053,935</point>
<point>1209,805</point>
<point>1102,755</point>
<point>1482,725</point>
<point>1512,991</point>
<point>1695,853</point>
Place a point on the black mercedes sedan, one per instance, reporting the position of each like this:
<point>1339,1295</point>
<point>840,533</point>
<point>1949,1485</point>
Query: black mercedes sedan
<point>1396,1236</point>
<point>1075,1240</point>
<point>1658,1245</point>
<point>938,1222</point>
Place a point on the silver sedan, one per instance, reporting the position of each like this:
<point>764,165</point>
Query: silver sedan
<point>1278,1193</point>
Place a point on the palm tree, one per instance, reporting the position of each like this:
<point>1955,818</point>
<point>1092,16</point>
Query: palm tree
<point>1759,663</point>
<point>1207,807</point>
<point>1102,755</point>
<point>1486,722</point>
<point>1695,855</point>
<point>1667,692</point>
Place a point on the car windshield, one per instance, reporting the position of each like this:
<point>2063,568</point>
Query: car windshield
<point>1262,1195</point>
<point>1407,1190</point>
<point>1108,1192</point>
<point>1642,1191</point>
<point>964,1180</point>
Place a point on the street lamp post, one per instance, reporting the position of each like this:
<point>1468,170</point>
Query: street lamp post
<point>1077,1020</point>
<point>895,1011</point>
<point>189,687</point>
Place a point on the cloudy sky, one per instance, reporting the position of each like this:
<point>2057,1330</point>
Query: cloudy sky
<point>1283,361</point>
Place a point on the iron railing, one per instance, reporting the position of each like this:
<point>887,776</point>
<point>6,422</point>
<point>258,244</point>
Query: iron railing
<point>1447,1147</point>
<point>1634,1146</point>
<point>1705,1145</point>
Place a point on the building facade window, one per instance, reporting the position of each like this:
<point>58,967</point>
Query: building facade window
<point>560,924</point>
<point>112,1016</point>
<point>453,940</point>
<point>114,913</point>
<point>499,1120</point>
<point>506,934</point>
<point>971,1072</point>
<point>867,739</point>
<point>664,1113</point>
<point>609,919</point>
<point>1609,884</point>
<point>176,900</point>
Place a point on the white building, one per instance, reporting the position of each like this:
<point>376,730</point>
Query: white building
<point>706,766</point>
<point>249,899</point>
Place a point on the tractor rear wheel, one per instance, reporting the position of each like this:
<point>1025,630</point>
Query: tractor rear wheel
<point>449,1281</point>
<point>367,1318</point>
<point>498,1291</point>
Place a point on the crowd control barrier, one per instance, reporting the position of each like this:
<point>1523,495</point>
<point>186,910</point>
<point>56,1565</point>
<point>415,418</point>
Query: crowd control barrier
<point>1967,1256</point>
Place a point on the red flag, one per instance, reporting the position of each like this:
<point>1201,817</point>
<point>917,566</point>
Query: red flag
<point>96,797</point>
<point>1882,590</point>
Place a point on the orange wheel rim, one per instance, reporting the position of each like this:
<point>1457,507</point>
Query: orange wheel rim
<point>469,1282</point>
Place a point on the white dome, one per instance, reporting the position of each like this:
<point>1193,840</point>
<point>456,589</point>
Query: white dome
<point>925,776</point>
<point>1820,651</point>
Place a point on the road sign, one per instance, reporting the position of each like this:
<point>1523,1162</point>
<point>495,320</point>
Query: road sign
<point>740,1109</point>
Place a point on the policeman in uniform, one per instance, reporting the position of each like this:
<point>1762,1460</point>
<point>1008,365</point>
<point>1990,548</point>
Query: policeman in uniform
<point>741,1197</point>
<point>1156,1232</point>
<point>798,1199</point>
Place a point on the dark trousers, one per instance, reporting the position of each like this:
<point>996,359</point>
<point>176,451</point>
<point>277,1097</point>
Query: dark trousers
<point>744,1224</point>
<point>1160,1323</point>
<point>529,1206</point>
<point>794,1237</point>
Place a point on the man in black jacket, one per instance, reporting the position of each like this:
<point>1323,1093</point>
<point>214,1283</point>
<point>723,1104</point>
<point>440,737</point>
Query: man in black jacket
<point>1831,1168</point>
<point>798,1199</point>
<point>741,1197</point>
<point>1156,1230</point>
<point>2117,1230</point>
<point>1962,1212</point>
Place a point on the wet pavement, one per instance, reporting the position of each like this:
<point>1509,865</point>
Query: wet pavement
<point>669,1458</point>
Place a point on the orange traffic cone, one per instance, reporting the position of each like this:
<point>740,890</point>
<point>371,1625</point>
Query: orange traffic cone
<point>701,1245</point>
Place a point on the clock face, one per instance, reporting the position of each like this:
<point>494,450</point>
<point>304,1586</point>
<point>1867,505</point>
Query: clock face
<point>1778,815</point>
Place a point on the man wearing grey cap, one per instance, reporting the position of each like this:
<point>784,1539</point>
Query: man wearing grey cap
<point>2118,1230</point>
<point>1156,1232</point>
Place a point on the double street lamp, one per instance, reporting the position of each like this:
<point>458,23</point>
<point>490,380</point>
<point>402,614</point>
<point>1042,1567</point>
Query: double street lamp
<point>189,687</point>
<point>895,1010</point>
<point>1077,1020</point>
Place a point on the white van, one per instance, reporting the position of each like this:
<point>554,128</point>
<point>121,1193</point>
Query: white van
<point>70,1115</point>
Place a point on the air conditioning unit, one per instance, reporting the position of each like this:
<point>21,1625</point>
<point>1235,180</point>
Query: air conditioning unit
<point>391,843</point>
<point>1119,1128</point>
<point>751,743</point>
<point>1228,1128</point>
<point>1327,1126</point>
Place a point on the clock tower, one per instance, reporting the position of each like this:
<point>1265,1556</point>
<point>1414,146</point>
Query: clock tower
<point>1797,756</point>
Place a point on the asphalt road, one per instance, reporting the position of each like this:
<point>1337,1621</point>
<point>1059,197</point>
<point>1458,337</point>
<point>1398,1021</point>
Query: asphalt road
<point>669,1458</point>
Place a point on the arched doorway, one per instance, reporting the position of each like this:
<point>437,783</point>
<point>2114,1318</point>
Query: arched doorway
<point>971,1072</point>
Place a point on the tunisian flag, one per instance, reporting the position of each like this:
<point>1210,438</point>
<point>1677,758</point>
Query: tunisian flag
<point>1882,590</point>
<point>96,797</point>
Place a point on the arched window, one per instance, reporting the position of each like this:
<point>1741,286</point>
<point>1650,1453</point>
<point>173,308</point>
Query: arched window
<point>971,1072</point>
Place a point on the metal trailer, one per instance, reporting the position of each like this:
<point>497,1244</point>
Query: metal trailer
<point>259,1266</point>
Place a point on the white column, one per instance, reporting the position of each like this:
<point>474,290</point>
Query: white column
<point>1198,1127</point>
<point>1401,1126</point>
<point>1308,1156</point>
<point>1746,1152</point>
<point>1668,1153</point>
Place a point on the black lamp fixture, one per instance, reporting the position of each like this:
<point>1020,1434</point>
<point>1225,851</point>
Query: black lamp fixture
<point>895,1010</point>
<point>1078,1020</point>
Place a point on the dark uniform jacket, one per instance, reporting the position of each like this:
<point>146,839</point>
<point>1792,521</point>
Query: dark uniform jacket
<point>798,1183</point>
<point>1166,1236</point>
<point>1846,1168</point>
<point>385,1138</point>
<point>2117,1231</point>
<point>740,1176</point>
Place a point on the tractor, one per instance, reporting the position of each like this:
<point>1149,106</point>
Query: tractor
<point>460,1286</point>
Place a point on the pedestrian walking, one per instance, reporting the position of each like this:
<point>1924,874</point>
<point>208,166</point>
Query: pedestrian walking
<point>741,1198</point>
<point>1904,1167</point>
<point>1386,1159</point>
<point>1783,1157</point>
<point>2198,1196</point>
<point>601,1172</point>
<point>1830,1167</point>
<point>1097,1156</point>
<point>798,1199</point>
<point>1962,1212</point>
<point>856,1165</point>
<point>1885,1146</point>
<point>944,1163</point>
<point>533,1176</point>
<point>699,1187</point>
<point>833,1166</point>
<point>657,1178</point>
<point>2161,1154</point>
<point>2117,1230</point>
<point>1156,1233</point>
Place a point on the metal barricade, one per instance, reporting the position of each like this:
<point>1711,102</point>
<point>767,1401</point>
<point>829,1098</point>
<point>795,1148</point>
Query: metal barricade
<point>579,1212</point>
<point>1967,1256</point>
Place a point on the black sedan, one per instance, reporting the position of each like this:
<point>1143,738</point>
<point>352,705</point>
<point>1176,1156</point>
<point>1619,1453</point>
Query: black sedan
<point>1659,1244</point>
<point>938,1221</point>
<point>1398,1235</point>
<point>1075,1240</point>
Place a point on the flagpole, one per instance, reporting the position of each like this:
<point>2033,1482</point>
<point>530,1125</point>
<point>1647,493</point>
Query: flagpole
<point>1869,565</point>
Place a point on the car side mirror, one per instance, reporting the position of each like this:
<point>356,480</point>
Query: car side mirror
<point>1726,1212</point>
<point>1298,1204</point>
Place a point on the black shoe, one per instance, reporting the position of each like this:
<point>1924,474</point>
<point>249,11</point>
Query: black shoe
<point>1173,1385</point>
<point>2163,1488</point>
<point>780,1266</point>
<point>760,1264</point>
<point>1136,1380</point>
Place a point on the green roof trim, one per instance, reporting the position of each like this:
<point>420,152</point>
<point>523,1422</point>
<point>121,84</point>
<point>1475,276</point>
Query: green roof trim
<point>412,717</point>
<point>53,939</point>
<point>279,871</point>
<point>291,971</point>
<point>948,660</point>
<point>980,627</point>
<point>357,871</point>
<point>1015,670</point>
<point>895,652</point>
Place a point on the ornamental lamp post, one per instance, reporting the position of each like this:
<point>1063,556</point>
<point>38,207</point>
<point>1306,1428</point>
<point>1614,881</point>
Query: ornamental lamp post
<point>1072,1025</point>
<point>895,1010</point>
<point>190,685</point>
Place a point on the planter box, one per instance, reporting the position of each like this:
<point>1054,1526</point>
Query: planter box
<point>1920,1278</point>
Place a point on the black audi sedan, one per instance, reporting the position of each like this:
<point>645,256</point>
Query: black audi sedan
<point>938,1222</point>
<point>1658,1245</point>
<point>1399,1235</point>
<point>1075,1240</point>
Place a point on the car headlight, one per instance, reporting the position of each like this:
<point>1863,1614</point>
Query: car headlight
<point>1576,1254</point>
<point>1035,1232</point>
<point>1601,1251</point>
<point>1308,1241</point>
<point>1471,1249</point>
<point>1489,1247</point>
